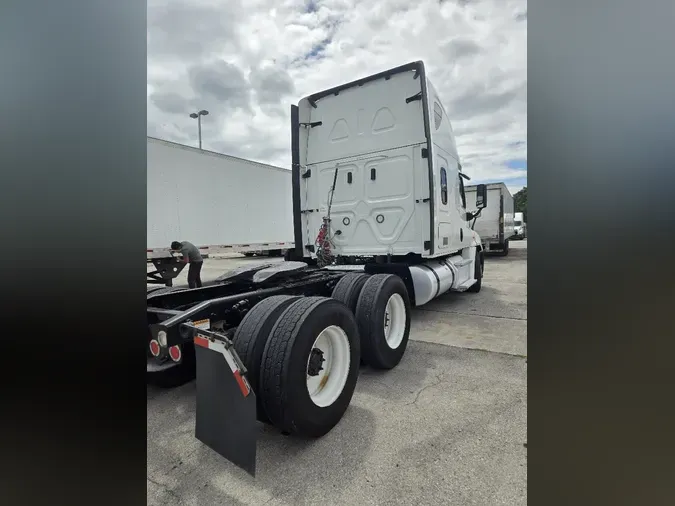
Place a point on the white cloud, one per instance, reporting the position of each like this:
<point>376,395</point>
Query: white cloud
<point>246,62</point>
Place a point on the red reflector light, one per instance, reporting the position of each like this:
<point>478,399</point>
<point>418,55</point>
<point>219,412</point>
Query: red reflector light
<point>154,348</point>
<point>242,384</point>
<point>174,353</point>
<point>201,341</point>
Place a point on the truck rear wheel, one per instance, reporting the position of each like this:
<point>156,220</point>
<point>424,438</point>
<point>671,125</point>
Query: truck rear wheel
<point>348,289</point>
<point>251,336</point>
<point>310,366</point>
<point>383,316</point>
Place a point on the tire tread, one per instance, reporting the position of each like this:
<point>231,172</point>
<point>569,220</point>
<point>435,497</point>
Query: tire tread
<point>276,357</point>
<point>247,332</point>
<point>248,340</point>
<point>369,328</point>
<point>348,289</point>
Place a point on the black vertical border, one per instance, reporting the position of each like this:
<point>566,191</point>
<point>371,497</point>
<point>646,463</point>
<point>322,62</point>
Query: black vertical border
<point>295,180</point>
<point>601,279</point>
<point>73,126</point>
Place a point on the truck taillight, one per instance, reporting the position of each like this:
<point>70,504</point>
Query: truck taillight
<point>174,353</point>
<point>154,348</point>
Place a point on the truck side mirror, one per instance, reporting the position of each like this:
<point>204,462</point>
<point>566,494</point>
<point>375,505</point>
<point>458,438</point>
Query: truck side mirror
<point>481,196</point>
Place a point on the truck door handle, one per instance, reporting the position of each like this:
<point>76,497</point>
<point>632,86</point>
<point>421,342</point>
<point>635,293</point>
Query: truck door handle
<point>373,174</point>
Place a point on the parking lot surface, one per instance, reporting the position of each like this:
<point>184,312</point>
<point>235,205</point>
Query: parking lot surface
<point>448,425</point>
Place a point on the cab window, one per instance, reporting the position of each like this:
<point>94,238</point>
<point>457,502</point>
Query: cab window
<point>444,186</point>
<point>461,191</point>
<point>438,114</point>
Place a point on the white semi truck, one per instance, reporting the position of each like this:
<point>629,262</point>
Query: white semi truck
<point>495,224</point>
<point>220,203</point>
<point>380,226</point>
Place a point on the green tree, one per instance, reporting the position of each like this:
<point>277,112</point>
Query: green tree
<point>520,201</point>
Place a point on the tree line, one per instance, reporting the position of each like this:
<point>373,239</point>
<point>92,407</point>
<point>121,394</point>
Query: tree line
<point>520,202</point>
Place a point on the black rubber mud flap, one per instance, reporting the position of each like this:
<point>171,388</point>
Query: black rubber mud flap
<point>226,419</point>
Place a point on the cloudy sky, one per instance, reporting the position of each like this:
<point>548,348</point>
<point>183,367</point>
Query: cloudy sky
<point>247,61</point>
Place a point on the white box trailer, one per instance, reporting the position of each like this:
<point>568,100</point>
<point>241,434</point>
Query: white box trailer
<point>219,203</point>
<point>495,224</point>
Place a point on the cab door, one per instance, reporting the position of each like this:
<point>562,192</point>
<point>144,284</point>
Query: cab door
<point>460,202</point>
<point>443,215</point>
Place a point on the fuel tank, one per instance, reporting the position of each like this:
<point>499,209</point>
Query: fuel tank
<point>434,278</point>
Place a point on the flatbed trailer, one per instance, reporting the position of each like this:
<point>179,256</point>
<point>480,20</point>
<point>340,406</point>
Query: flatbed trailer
<point>380,227</point>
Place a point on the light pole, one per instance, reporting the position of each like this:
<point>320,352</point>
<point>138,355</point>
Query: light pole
<point>198,117</point>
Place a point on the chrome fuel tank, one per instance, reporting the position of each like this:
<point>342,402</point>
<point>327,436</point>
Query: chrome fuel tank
<point>433,278</point>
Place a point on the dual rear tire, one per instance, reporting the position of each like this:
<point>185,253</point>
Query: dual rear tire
<point>302,356</point>
<point>303,353</point>
<point>310,366</point>
<point>381,305</point>
<point>251,336</point>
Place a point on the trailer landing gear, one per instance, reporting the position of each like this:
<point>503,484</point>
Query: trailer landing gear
<point>166,270</point>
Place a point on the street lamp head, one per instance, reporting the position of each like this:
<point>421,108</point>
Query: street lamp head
<point>198,117</point>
